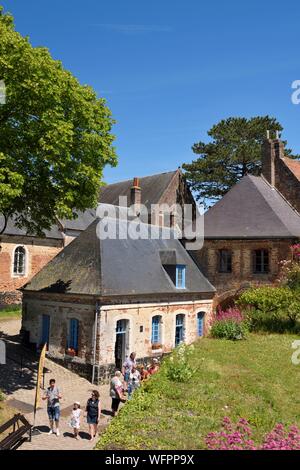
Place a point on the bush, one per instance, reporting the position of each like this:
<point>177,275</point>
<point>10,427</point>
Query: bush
<point>229,329</point>
<point>177,366</point>
<point>275,309</point>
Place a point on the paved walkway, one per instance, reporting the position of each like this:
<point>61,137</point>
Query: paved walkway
<point>20,391</point>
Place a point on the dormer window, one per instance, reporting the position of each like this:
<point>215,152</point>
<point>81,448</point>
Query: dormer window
<point>180,276</point>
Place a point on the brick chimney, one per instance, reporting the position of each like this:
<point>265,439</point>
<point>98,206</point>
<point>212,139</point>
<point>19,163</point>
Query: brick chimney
<point>135,193</point>
<point>272,151</point>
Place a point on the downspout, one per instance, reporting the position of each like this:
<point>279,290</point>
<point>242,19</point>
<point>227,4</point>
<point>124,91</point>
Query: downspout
<point>95,340</point>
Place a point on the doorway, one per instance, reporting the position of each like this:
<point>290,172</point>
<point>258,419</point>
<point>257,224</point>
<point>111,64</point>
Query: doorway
<point>122,346</point>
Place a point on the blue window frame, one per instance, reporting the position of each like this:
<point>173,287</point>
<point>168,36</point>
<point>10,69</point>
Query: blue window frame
<point>73,334</point>
<point>156,329</point>
<point>179,330</point>
<point>200,323</point>
<point>180,276</point>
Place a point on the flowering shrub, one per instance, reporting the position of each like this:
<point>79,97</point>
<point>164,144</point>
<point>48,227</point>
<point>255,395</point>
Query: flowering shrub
<point>281,439</point>
<point>229,324</point>
<point>232,437</point>
<point>290,273</point>
<point>238,437</point>
<point>178,368</point>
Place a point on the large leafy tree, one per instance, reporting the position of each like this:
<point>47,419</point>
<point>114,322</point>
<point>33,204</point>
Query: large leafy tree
<point>55,136</point>
<point>233,151</point>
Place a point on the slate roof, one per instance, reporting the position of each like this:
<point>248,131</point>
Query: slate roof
<point>152,189</point>
<point>252,209</point>
<point>115,267</point>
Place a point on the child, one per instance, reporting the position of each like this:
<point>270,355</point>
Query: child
<point>75,418</point>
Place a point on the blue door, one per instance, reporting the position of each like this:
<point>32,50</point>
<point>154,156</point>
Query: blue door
<point>179,329</point>
<point>200,323</point>
<point>45,330</point>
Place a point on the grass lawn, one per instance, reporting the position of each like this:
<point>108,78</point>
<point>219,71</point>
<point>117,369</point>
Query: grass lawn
<point>254,379</point>
<point>12,311</point>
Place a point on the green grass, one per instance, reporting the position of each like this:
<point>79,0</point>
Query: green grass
<point>12,311</point>
<point>254,379</point>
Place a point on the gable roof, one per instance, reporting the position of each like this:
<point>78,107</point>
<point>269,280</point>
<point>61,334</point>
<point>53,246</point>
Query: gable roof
<point>152,189</point>
<point>123,266</point>
<point>252,209</point>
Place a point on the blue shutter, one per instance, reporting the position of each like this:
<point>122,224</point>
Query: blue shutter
<point>200,323</point>
<point>73,338</point>
<point>155,336</point>
<point>45,329</point>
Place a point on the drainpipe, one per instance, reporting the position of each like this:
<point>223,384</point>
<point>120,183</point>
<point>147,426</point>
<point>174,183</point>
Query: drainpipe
<point>95,339</point>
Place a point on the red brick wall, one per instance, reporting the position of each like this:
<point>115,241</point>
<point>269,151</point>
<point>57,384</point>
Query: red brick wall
<point>38,253</point>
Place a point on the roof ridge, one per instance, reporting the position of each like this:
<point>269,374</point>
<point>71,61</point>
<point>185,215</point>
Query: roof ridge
<point>141,177</point>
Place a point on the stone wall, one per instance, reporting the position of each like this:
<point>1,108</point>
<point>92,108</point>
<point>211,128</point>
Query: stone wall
<point>38,253</point>
<point>242,276</point>
<point>139,329</point>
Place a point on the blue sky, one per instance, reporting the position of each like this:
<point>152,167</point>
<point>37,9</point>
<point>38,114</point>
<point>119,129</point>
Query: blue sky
<point>170,69</point>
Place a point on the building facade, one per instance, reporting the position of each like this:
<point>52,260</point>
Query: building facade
<point>99,300</point>
<point>251,229</point>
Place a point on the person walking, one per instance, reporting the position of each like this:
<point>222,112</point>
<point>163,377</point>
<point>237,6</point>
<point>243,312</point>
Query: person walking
<point>75,419</point>
<point>53,395</point>
<point>127,367</point>
<point>93,411</point>
<point>116,392</point>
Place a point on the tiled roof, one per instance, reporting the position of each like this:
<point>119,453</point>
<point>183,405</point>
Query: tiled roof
<point>293,165</point>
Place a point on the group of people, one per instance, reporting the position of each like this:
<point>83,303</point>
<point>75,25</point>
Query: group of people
<point>133,375</point>
<point>120,391</point>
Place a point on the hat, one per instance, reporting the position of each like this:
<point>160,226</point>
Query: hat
<point>77,403</point>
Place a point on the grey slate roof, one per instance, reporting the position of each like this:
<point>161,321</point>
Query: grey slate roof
<point>117,267</point>
<point>152,188</point>
<point>252,209</point>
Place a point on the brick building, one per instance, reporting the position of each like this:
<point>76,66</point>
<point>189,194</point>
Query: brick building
<point>22,255</point>
<point>250,230</point>
<point>100,299</point>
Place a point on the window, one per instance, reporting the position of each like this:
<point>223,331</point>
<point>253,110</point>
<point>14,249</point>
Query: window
<point>225,261</point>
<point>180,277</point>
<point>261,261</point>
<point>19,261</point>
<point>73,335</point>
<point>179,329</point>
<point>200,323</point>
<point>156,330</point>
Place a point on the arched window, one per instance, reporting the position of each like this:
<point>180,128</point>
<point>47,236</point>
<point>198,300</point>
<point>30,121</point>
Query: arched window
<point>179,329</point>
<point>156,330</point>
<point>19,261</point>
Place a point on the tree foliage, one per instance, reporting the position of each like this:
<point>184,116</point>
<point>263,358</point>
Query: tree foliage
<point>233,151</point>
<point>55,136</point>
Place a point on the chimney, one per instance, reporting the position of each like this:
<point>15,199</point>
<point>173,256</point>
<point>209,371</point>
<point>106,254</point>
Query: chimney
<point>272,150</point>
<point>135,193</point>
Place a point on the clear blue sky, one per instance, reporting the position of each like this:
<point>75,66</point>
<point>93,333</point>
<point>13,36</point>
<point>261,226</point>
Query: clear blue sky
<point>170,69</point>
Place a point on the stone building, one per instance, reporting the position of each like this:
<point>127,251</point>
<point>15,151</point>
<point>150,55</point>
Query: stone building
<point>251,229</point>
<point>22,255</point>
<point>100,299</point>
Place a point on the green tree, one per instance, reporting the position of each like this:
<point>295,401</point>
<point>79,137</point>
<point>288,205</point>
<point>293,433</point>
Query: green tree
<point>55,136</point>
<point>233,152</point>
